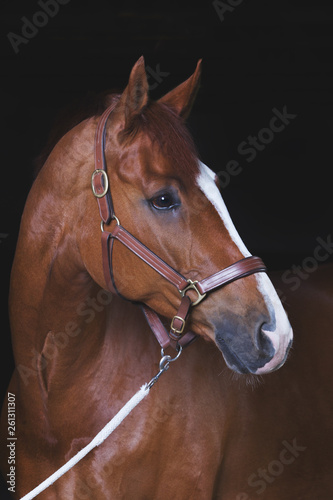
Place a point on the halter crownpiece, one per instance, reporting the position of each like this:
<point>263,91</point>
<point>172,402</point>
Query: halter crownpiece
<point>176,336</point>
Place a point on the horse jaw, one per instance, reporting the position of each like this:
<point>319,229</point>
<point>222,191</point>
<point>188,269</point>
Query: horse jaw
<point>280,333</point>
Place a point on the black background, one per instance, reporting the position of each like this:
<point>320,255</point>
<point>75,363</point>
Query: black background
<point>262,55</point>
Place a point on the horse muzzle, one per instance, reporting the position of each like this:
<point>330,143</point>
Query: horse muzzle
<point>258,352</point>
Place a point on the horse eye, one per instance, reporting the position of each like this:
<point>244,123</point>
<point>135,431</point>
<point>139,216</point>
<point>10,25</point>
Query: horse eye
<point>164,201</point>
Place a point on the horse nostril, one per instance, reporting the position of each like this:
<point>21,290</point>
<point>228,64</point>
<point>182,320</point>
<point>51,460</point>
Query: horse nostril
<point>263,342</point>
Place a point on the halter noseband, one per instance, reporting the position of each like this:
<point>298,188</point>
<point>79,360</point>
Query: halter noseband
<point>176,336</point>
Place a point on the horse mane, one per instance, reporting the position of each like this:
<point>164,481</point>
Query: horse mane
<point>162,125</point>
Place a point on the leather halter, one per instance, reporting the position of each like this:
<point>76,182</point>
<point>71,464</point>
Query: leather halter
<point>176,336</point>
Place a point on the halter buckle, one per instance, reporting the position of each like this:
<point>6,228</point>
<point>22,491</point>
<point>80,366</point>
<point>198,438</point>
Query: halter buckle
<point>192,286</point>
<point>177,331</point>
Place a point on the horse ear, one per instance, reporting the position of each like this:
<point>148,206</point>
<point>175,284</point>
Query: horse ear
<point>135,96</point>
<point>181,98</point>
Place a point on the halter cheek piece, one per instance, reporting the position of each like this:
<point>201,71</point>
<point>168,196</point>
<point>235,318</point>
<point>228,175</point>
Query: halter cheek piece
<point>176,336</point>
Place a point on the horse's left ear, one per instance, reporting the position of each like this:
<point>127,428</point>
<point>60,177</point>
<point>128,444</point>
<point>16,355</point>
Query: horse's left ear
<point>181,98</point>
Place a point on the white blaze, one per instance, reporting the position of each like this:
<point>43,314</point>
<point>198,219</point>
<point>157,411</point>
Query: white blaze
<point>282,335</point>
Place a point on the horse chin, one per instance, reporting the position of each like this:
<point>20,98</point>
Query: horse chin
<point>232,359</point>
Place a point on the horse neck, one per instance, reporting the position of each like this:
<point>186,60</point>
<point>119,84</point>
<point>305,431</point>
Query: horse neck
<point>63,324</point>
<point>61,320</point>
<point>47,285</point>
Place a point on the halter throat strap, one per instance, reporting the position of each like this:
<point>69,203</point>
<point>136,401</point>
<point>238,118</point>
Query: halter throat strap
<point>176,336</point>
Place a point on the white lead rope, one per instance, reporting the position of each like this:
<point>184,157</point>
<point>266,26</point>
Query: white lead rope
<point>106,431</point>
<point>101,436</point>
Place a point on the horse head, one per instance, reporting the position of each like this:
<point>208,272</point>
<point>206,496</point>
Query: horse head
<point>171,202</point>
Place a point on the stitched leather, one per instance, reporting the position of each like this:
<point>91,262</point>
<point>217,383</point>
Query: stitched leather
<point>178,322</point>
<point>149,257</point>
<point>238,270</point>
<point>105,203</point>
<point>157,326</point>
<point>161,332</point>
<point>106,261</point>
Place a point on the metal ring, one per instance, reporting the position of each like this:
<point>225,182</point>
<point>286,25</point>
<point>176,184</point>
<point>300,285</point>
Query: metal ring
<point>114,217</point>
<point>179,349</point>
<point>106,183</point>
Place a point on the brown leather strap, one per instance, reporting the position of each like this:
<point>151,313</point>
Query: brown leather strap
<point>157,326</point>
<point>106,253</point>
<point>178,321</point>
<point>149,257</point>
<point>99,178</point>
<point>238,270</point>
<point>161,332</point>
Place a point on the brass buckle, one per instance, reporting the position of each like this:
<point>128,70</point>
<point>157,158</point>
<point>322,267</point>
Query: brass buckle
<point>106,183</point>
<point>174,329</point>
<point>192,286</point>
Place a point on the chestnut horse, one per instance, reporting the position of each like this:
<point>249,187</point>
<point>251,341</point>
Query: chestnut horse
<point>82,352</point>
